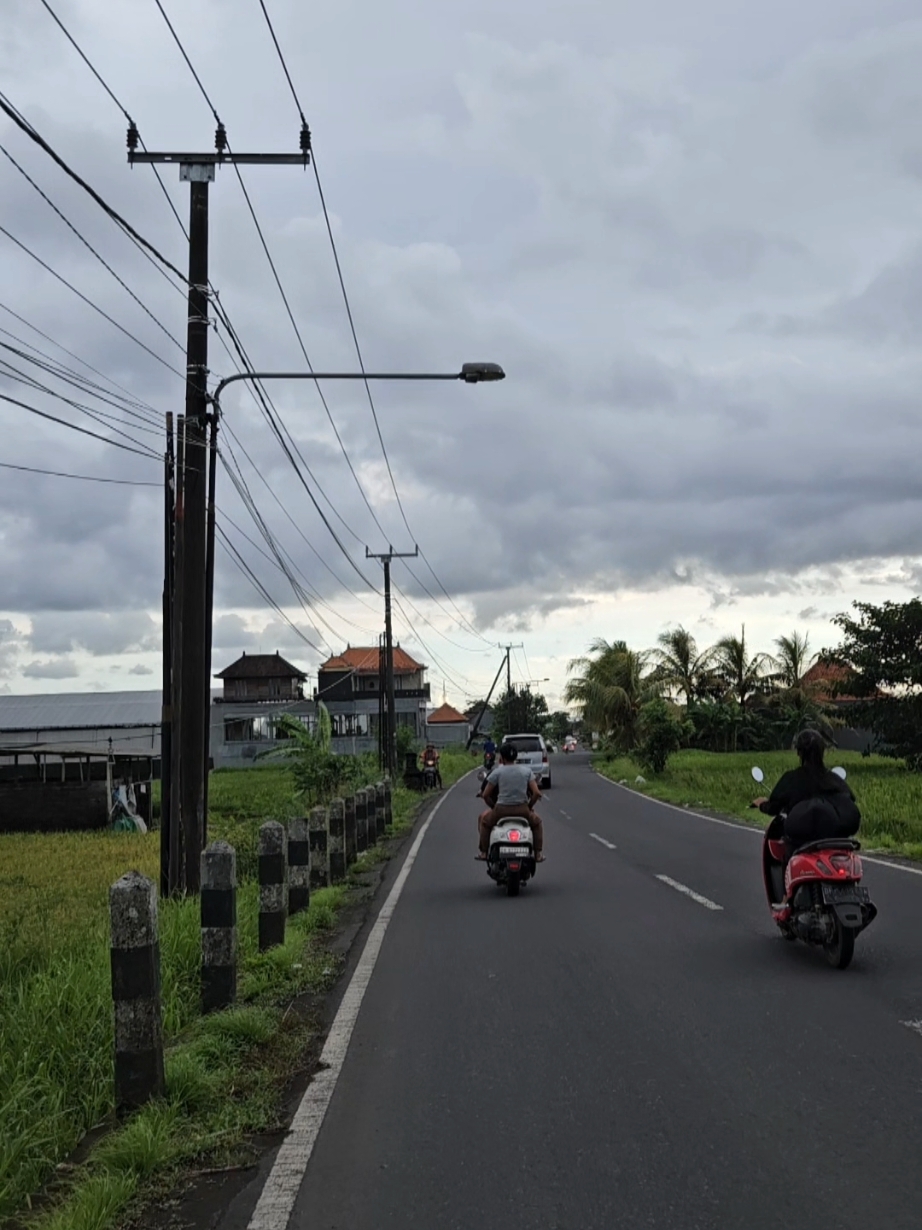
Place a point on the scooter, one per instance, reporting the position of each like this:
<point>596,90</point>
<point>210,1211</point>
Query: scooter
<point>816,895</point>
<point>430,779</point>
<point>511,855</point>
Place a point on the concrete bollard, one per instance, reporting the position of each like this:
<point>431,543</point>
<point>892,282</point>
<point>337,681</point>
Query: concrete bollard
<point>361,822</point>
<point>337,841</point>
<point>273,884</point>
<point>319,836</point>
<point>299,866</point>
<point>388,802</point>
<point>350,834</point>
<point>380,810</point>
<point>371,812</point>
<point>219,926</point>
<point>135,963</point>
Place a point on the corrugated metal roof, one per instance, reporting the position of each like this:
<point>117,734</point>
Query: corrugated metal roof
<point>79,710</point>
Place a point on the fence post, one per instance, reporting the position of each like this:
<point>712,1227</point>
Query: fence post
<point>135,963</point>
<point>319,838</point>
<point>380,810</point>
<point>371,813</point>
<point>337,843</point>
<point>388,802</point>
<point>299,866</point>
<point>349,832</point>
<point>219,926</point>
<point>273,884</point>
<point>361,822</point>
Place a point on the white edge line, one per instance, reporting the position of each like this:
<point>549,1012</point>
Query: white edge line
<point>690,892</point>
<point>277,1199</point>
<point>611,845</point>
<point>741,826</point>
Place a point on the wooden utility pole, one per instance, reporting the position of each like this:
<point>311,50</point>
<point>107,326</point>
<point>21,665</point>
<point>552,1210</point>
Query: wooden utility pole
<point>193,552</point>
<point>391,743</point>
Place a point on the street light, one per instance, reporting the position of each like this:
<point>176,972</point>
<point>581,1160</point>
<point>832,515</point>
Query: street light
<point>470,373</point>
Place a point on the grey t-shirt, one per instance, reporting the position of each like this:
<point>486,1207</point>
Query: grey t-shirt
<point>512,782</point>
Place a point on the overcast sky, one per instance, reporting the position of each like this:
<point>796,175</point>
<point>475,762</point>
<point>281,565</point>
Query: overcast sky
<point>689,232</point>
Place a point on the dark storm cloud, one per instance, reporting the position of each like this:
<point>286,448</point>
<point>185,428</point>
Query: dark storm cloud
<point>673,251</point>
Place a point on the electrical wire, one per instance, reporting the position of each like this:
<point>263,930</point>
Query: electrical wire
<point>84,431</point>
<point>87,478</point>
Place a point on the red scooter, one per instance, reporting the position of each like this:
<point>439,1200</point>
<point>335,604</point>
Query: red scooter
<point>815,895</point>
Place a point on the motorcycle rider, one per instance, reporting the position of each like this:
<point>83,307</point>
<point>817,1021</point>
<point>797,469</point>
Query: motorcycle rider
<point>510,790</point>
<point>430,758</point>
<point>815,802</point>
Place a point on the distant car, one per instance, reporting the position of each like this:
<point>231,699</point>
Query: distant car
<point>532,751</point>
<point>569,744</point>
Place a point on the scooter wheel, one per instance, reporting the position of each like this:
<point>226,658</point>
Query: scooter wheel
<point>513,883</point>
<point>840,950</point>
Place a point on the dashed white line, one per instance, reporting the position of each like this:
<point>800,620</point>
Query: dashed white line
<point>273,1210</point>
<point>690,892</point>
<point>610,844</point>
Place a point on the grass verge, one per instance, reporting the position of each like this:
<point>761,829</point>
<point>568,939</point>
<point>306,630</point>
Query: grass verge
<point>887,793</point>
<point>225,1073</point>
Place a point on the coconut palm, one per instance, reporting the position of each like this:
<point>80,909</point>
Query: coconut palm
<point>793,659</point>
<point>680,665</point>
<point>609,688</point>
<point>741,674</point>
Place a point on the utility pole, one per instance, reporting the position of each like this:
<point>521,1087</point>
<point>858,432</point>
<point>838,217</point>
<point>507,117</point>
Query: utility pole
<point>382,689</point>
<point>391,742</point>
<point>194,563</point>
<point>166,722</point>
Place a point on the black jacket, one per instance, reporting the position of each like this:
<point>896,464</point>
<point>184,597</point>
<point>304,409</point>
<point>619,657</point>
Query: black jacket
<point>799,785</point>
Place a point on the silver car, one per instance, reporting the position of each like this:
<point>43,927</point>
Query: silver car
<point>532,751</point>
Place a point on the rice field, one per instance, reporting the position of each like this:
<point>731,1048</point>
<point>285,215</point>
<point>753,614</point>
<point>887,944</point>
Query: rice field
<point>56,1039</point>
<point>889,796</point>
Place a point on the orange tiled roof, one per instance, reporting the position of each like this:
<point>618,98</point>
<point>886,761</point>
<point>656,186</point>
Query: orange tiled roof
<point>366,661</point>
<point>445,713</point>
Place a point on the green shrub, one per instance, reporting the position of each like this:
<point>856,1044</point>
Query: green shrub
<point>661,731</point>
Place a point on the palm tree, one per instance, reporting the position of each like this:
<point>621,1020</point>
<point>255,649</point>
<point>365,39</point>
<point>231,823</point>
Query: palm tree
<point>609,687</point>
<point>741,673</point>
<point>680,665</point>
<point>793,659</point>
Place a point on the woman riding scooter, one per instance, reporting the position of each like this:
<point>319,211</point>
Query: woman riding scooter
<point>811,802</point>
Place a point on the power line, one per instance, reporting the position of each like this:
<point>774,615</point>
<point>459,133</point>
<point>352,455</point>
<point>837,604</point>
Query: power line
<point>87,478</point>
<point>84,431</point>
<point>90,303</point>
<point>21,122</point>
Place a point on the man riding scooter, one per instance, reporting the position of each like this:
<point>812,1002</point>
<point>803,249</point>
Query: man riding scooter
<point>430,760</point>
<point>510,790</point>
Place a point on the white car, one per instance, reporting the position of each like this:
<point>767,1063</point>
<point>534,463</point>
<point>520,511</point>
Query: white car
<point>532,751</point>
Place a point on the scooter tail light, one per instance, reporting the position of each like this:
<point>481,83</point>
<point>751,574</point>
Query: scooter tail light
<point>514,835</point>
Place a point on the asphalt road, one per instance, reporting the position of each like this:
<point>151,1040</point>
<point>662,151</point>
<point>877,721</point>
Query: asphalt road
<point>607,1051</point>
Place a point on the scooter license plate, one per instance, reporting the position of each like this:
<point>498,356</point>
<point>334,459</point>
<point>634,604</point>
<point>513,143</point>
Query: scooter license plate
<point>845,894</point>
<point>515,851</point>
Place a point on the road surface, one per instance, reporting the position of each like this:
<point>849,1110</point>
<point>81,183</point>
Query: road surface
<point>611,1049</point>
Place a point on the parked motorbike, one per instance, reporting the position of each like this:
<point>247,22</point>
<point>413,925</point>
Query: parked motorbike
<point>816,895</point>
<point>511,856</point>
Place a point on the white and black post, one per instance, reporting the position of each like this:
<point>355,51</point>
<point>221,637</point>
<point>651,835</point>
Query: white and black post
<point>135,963</point>
<point>299,866</point>
<point>273,884</point>
<point>219,926</point>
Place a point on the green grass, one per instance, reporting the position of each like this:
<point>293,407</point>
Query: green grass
<point>888,794</point>
<point>224,1072</point>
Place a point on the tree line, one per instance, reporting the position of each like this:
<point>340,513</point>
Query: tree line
<point>727,697</point>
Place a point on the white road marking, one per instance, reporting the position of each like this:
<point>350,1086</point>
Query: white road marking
<point>689,892</point>
<point>611,845</point>
<point>742,827</point>
<point>280,1192</point>
<point>565,814</point>
<point>916,1026</point>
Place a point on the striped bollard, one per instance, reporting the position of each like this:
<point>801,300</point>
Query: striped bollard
<point>361,822</point>
<point>349,833</point>
<point>219,926</point>
<point>337,841</point>
<point>273,884</point>
<point>371,813</point>
<point>319,837</point>
<point>299,866</point>
<point>380,811</point>
<point>135,963</point>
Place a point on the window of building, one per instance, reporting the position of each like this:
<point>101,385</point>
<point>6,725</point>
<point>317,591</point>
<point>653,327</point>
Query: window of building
<point>348,725</point>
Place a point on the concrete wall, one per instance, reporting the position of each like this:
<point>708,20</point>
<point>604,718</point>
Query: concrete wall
<point>447,734</point>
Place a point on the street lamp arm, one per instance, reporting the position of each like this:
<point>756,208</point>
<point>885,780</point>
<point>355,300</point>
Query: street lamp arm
<point>470,373</point>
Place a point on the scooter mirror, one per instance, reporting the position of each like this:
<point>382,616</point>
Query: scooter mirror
<point>839,772</point>
<point>758,774</point>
